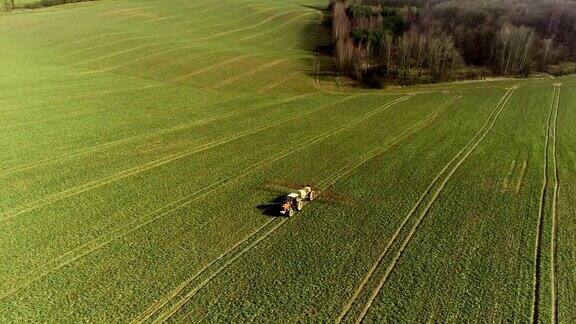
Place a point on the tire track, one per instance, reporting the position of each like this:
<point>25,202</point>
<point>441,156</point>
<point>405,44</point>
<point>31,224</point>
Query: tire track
<point>508,176</point>
<point>206,69</point>
<point>263,22</point>
<point>323,186</point>
<point>111,55</point>
<point>61,42</point>
<point>459,159</point>
<point>150,165</point>
<point>123,40</point>
<point>156,83</point>
<point>164,317</point>
<point>166,130</point>
<point>161,303</point>
<point>279,82</point>
<point>245,74</point>
<point>520,179</point>
<point>553,248</point>
<point>388,145</point>
<point>550,137</point>
<point>126,229</point>
<point>289,21</point>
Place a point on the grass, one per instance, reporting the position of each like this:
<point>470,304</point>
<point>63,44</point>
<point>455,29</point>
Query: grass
<point>140,142</point>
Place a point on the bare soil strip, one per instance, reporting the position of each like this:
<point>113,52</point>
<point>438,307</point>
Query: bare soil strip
<point>459,159</point>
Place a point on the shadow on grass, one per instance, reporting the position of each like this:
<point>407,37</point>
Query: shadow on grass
<point>272,208</point>
<point>316,39</point>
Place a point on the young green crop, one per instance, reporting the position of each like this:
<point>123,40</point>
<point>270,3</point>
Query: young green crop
<point>140,146</point>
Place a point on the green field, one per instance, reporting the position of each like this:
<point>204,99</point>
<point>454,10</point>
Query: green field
<point>142,141</point>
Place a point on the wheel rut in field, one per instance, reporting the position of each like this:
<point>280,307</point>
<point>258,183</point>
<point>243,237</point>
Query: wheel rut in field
<point>548,196</point>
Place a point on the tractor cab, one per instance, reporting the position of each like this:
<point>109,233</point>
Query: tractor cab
<point>292,202</point>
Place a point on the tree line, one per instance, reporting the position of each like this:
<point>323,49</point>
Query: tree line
<point>410,41</point>
<point>9,5</point>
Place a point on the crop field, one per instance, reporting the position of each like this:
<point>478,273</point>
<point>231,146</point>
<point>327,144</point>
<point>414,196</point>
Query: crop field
<point>144,142</point>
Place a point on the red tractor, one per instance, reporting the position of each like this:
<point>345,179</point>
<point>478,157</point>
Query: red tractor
<point>295,201</point>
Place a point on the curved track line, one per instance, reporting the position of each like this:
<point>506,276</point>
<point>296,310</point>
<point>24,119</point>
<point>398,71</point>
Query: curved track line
<point>213,26</point>
<point>206,69</point>
<point>246,74</point>
<point>111,55</point>
<point>162,302</point>
<point>374,266</point>
<point>277,27</point>
<point>279,82</point>
<point>263,22</point>
<point>553,249</point>
<point>166,51</point>
<point>165,130</point>
<point>123,40</point>
<point>468,149</point>
<point>61,42</point>
<point>151,165</point>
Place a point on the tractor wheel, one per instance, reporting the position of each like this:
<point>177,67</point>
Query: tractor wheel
<point>299,205</point>
<point>311,195</point>
<point>290,212</point>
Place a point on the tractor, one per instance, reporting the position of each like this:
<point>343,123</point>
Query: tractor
<point>295,201</point>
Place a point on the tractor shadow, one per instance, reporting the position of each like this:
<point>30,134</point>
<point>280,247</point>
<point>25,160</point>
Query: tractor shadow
<point>272,208</point>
